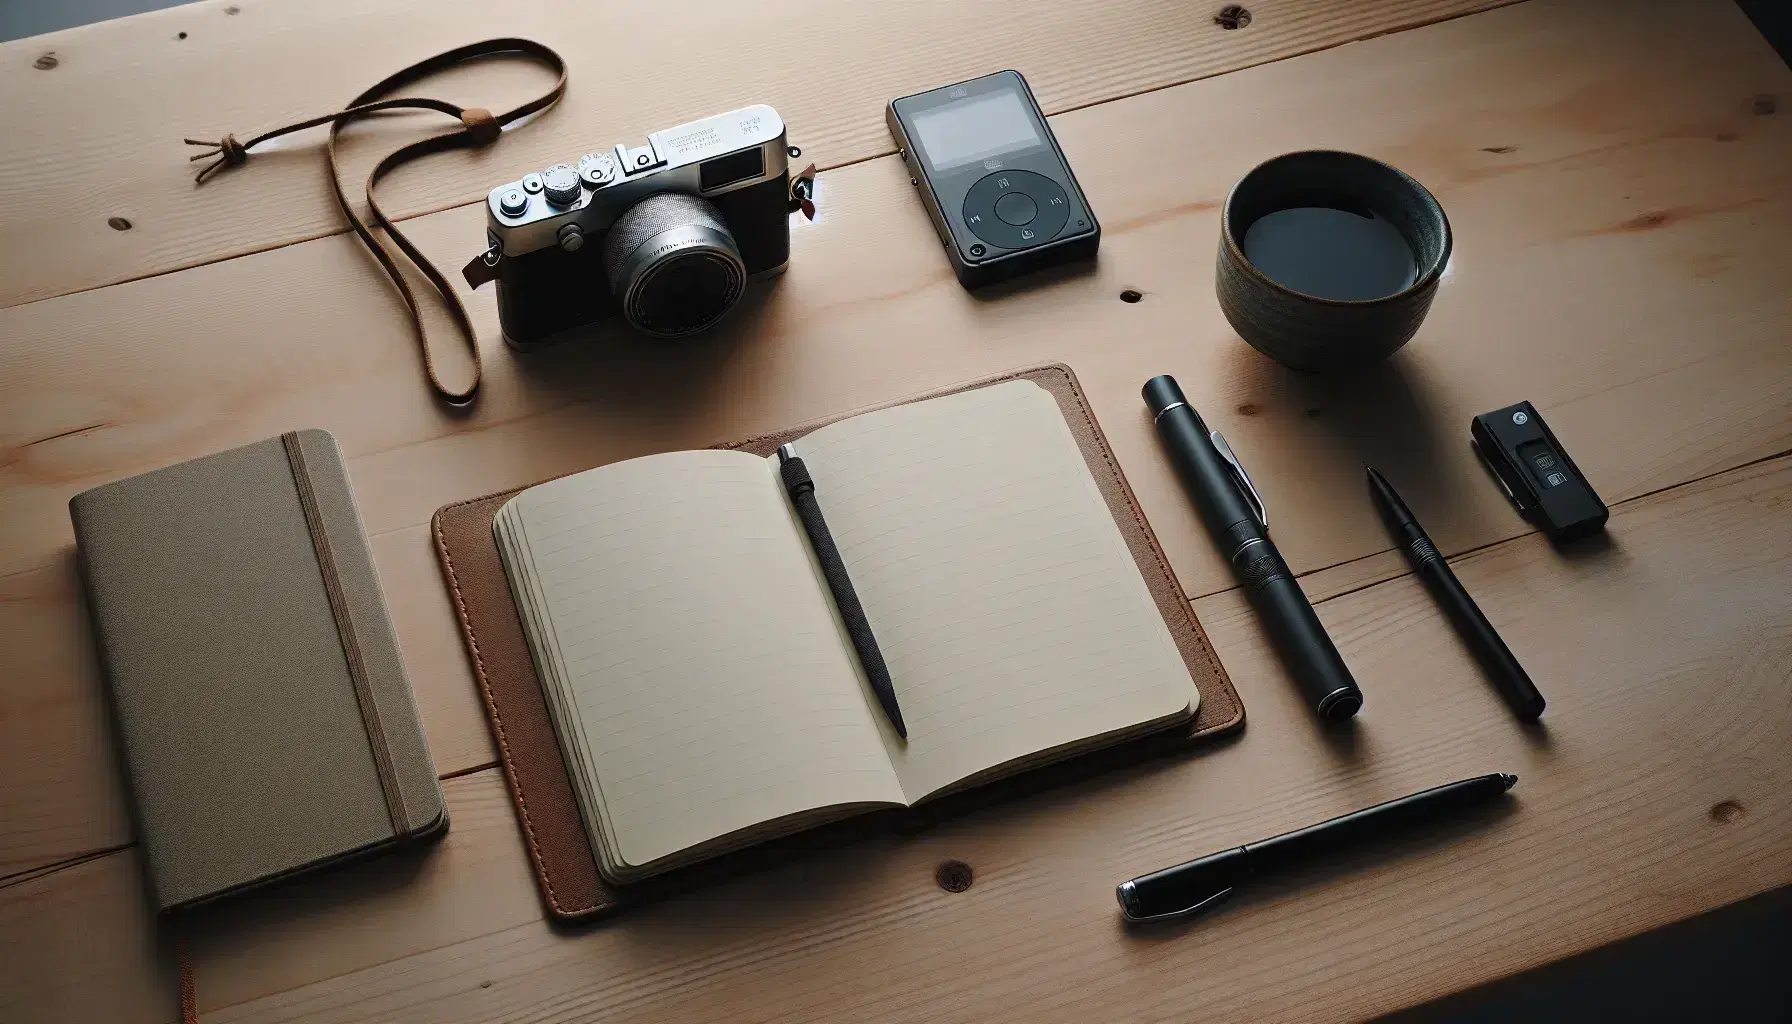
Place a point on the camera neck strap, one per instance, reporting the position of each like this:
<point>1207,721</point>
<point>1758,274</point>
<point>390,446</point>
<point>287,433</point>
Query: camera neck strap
<point>478,128</point>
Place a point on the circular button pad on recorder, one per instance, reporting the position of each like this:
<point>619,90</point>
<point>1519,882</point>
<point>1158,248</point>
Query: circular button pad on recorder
<point>1016,209</point>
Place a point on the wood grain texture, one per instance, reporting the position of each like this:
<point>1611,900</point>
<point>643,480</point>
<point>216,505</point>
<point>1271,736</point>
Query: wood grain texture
<point>63,793</point>
<point>1657,788</point>
<point>1623,266</point>
<point>122,95</point>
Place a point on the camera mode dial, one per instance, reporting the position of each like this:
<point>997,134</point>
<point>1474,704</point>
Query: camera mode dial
<point>560,183</point>
<point>597,169</point>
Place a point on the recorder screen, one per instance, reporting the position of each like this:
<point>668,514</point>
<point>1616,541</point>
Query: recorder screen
<point>974,129</point>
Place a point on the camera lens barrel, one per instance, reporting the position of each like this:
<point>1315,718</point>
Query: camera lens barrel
<point>673,265</point>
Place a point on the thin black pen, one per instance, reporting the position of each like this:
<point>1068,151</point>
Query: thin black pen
<point>802,494</point>
<point>1502,669</point>
<point>1188,889</point>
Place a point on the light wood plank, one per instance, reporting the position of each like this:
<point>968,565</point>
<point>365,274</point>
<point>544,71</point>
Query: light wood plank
<point>430,639</point>
<point>1621,265</point>
<point>99,135</point>
<point>1656,349</point>
<point>80,945</point>
<point>68,797</point>
<point>1657,789</point>
<point>64,796</point>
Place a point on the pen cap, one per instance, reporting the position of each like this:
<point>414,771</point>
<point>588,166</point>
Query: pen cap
<point>1161,392</point>
<point>1184,889</point>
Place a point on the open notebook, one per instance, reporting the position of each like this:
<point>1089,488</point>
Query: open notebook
<point>703,689</point>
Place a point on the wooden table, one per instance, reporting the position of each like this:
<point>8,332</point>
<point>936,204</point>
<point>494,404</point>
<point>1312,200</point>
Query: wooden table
<point>1619,175</point>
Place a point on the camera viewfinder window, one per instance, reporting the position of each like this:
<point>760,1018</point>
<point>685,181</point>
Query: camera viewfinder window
<point>726,170</point>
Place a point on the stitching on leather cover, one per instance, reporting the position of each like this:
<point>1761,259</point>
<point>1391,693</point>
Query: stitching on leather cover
<point>491,707</point>
<point>1138,514</point>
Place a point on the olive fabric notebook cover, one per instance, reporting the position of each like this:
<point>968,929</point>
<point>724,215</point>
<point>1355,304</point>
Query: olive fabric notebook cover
<point>548,810</point>
<point>261,705</point>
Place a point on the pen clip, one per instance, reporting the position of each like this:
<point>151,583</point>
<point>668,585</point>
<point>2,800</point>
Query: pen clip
<point>1211,901</point>
<point>1242,478</point>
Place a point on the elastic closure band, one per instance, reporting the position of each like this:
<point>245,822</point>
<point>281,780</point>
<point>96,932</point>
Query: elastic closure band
<point>345,628</point>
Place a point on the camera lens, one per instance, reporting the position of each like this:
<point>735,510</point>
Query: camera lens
<point>673,265</point>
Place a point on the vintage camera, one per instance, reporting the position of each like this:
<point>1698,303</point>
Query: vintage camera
<point>666,234</point>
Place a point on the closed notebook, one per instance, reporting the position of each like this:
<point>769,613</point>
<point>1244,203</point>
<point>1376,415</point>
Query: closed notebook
<point>701,684</point>
<point>265,721</point>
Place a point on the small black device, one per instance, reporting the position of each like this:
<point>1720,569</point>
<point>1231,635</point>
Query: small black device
<point>1239,524</point>
<point>993,179</point>
<point>1536,473</point>
<point>665,233</point>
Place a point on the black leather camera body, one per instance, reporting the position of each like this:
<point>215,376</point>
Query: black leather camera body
<point>665,235</point>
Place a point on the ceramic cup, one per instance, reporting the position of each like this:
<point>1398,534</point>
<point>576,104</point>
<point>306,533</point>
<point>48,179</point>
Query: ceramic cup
<point>1329,260</point>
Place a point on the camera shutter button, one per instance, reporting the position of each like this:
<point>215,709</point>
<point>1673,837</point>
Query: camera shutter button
<point>561,184</point>
<point>512,202</point>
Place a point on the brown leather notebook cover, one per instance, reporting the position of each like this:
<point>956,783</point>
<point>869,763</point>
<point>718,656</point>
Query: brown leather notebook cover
<point>549,815</point>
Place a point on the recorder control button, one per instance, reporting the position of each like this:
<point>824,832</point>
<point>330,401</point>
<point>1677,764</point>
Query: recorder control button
<point>1016,209</point>
<point>532,183</point>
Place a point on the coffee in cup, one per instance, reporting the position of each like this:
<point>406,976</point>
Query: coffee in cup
<point>1329,260</point>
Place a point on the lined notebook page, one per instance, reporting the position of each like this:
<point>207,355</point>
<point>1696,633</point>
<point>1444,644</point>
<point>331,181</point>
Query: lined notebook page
<point>703,666</point>
<point>1011,615</point>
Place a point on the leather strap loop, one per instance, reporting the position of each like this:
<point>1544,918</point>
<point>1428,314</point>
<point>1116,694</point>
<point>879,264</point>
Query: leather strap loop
<point>478,128</point>
<point>482,128</point>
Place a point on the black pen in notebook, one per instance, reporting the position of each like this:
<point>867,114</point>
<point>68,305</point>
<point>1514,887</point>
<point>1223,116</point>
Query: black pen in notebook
<point>802,495</point>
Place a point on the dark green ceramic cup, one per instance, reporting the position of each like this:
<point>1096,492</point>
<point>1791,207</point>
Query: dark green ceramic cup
<point>1329,260</point>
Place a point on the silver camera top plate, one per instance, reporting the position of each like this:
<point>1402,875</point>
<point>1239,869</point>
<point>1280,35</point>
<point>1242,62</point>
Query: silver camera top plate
<point>522,219</point>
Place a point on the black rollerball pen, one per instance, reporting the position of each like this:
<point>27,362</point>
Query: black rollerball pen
<point>1234,514</point>
<point>802,495</point>
<point>1188,889</point>
<point>1506,674</point>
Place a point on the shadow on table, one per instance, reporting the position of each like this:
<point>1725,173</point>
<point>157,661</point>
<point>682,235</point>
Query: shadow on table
<point>1726,965</point>
<point>1377,415</point>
